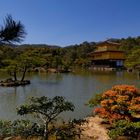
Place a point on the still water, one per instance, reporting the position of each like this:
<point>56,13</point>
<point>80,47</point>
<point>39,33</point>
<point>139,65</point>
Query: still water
<point>78,88</point>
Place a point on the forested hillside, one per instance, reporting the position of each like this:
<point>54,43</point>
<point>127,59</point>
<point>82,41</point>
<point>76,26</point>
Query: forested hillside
<point>46,56</point>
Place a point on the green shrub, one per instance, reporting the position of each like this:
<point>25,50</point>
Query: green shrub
<point>5,128</point>
<point>20,127</point>
<point>95,101</point>
<point>125,128</point>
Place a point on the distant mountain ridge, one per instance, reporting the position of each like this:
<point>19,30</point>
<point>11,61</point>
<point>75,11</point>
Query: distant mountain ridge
<point>39,45</point>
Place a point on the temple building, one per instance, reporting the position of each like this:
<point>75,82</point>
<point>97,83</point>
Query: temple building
<point>107,54</point>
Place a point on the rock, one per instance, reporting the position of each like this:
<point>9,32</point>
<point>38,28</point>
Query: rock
<point>39,69</point>
<point>52,70</point>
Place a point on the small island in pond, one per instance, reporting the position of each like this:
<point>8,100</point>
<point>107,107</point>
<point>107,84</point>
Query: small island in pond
<point>11,83</point>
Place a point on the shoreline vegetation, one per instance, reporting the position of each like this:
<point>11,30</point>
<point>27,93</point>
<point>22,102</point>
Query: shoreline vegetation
<point>115,117</point>
<point>91,129</point>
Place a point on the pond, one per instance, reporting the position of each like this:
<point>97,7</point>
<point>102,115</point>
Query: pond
<point>78,88</point>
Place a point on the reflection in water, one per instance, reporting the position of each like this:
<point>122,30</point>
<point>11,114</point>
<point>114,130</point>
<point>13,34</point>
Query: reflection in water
<point>15,90</point>
<point>78,88</point>
<point>119,73</point>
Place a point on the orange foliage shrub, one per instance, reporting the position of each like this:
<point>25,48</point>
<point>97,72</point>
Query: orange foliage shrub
<point>121,102</point>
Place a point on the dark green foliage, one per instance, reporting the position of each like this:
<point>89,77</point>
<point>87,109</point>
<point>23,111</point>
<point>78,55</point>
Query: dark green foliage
<point>131,47</point>
<point>125,128</point>
<point>46,109</point>
<point>23,128</point>
<point>133,58</point>
<point>70,130</point>
<point>129,44</point>
<point>12,31</point>
<point>5,128</point>
<point>46,106</point>
<point>26,128</point>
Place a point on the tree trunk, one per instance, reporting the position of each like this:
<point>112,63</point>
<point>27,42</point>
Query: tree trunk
<point>46,132</point>
<point>138,138</point>
<point>15,74</point>
<point>24,72</point>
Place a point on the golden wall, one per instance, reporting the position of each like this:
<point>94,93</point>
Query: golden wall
<point>108,55</point>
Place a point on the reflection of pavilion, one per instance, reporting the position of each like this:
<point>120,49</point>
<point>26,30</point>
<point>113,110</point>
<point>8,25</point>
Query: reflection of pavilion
<point>108,55</point>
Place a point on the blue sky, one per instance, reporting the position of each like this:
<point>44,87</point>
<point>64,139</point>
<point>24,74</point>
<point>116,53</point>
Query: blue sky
<point>67,22</point>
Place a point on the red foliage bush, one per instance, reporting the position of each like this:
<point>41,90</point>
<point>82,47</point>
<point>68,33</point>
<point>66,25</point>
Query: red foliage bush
<point>121,102</point>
